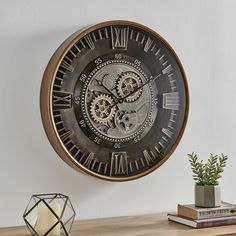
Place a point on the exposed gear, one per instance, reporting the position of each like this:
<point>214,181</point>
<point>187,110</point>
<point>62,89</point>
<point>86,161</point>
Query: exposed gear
<point>100,109</point>
<point>109,81</point>
<point>127,83</point>
<point>103,128</point>
<point>126,121</point>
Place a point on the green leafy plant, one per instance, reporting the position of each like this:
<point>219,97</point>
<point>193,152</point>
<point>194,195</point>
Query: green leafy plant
<point>210,172</point>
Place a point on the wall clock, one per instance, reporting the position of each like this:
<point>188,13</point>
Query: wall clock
<point>114,100</point>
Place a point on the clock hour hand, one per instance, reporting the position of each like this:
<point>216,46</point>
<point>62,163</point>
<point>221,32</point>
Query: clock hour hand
<point>99,82</point>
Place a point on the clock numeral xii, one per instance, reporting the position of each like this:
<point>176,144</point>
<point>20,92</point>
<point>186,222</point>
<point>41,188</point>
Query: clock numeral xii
<point>119,37</point>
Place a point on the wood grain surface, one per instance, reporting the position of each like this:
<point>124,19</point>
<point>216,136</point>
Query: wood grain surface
<point>145,225</point>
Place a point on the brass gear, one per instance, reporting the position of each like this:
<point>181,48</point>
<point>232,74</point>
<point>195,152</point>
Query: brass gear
<point>127,83</point>
<point>99,109</point>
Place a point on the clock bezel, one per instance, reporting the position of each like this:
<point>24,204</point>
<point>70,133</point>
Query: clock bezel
<point>46,99</point>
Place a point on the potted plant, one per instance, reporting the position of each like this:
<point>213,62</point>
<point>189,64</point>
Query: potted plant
<point>206,177</point>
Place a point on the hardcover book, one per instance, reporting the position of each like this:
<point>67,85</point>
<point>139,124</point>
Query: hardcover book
<point>193,212</point>
<point>203,223</point>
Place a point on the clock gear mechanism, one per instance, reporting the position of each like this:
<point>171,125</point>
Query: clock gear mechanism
<point>114,100</point>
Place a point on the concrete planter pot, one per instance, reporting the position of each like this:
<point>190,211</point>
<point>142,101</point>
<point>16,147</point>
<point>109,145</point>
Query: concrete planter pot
<point>207,196</point>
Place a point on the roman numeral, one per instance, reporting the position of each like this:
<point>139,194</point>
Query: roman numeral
<point>66,135</point>
<point>119,37</point>
<point>171,101</point>
<point>148,44</point>
<point>153,155</point>
<point>147,157</point>
<point>89,160</point>
<point>119,164</point>
<point>67,66</point>
<point>89,41</point>
<point>61,100</point>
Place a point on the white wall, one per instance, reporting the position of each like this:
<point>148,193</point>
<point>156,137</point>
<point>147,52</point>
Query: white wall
<point>202,32</point>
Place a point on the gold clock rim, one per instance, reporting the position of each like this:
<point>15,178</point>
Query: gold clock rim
<point>46,101</point>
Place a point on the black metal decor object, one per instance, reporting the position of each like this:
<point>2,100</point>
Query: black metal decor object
<point>49,215</point>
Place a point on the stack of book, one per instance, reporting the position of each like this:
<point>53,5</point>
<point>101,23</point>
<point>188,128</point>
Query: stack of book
<point>198,217</point>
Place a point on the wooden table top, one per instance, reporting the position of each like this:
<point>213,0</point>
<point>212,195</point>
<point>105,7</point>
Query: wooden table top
<point>144,225</point>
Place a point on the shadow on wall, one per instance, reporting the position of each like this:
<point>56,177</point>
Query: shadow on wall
<point>43,170</point>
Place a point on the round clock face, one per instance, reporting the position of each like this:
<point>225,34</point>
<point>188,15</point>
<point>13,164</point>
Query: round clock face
<point>114,100</point>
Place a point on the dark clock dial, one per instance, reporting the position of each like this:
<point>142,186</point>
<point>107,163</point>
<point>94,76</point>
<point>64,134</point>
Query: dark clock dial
<point>114,100</point>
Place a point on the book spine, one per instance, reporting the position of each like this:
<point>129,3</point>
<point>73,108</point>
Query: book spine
<point>215,213</point>
<point>216,223</point>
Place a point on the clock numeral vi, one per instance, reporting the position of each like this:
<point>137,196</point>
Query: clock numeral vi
<point>119,164</point>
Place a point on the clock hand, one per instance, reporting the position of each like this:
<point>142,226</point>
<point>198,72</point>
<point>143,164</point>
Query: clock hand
<point>107,89</point>
<point>137,89</point>
<point>120,100</point>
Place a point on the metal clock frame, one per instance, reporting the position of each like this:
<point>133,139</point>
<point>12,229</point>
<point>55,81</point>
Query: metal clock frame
<point>46,99</point>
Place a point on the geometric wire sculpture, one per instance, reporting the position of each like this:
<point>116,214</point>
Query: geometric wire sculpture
<point>49,215</point>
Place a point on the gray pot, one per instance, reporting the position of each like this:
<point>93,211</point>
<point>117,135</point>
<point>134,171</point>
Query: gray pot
<point>207,196</point>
